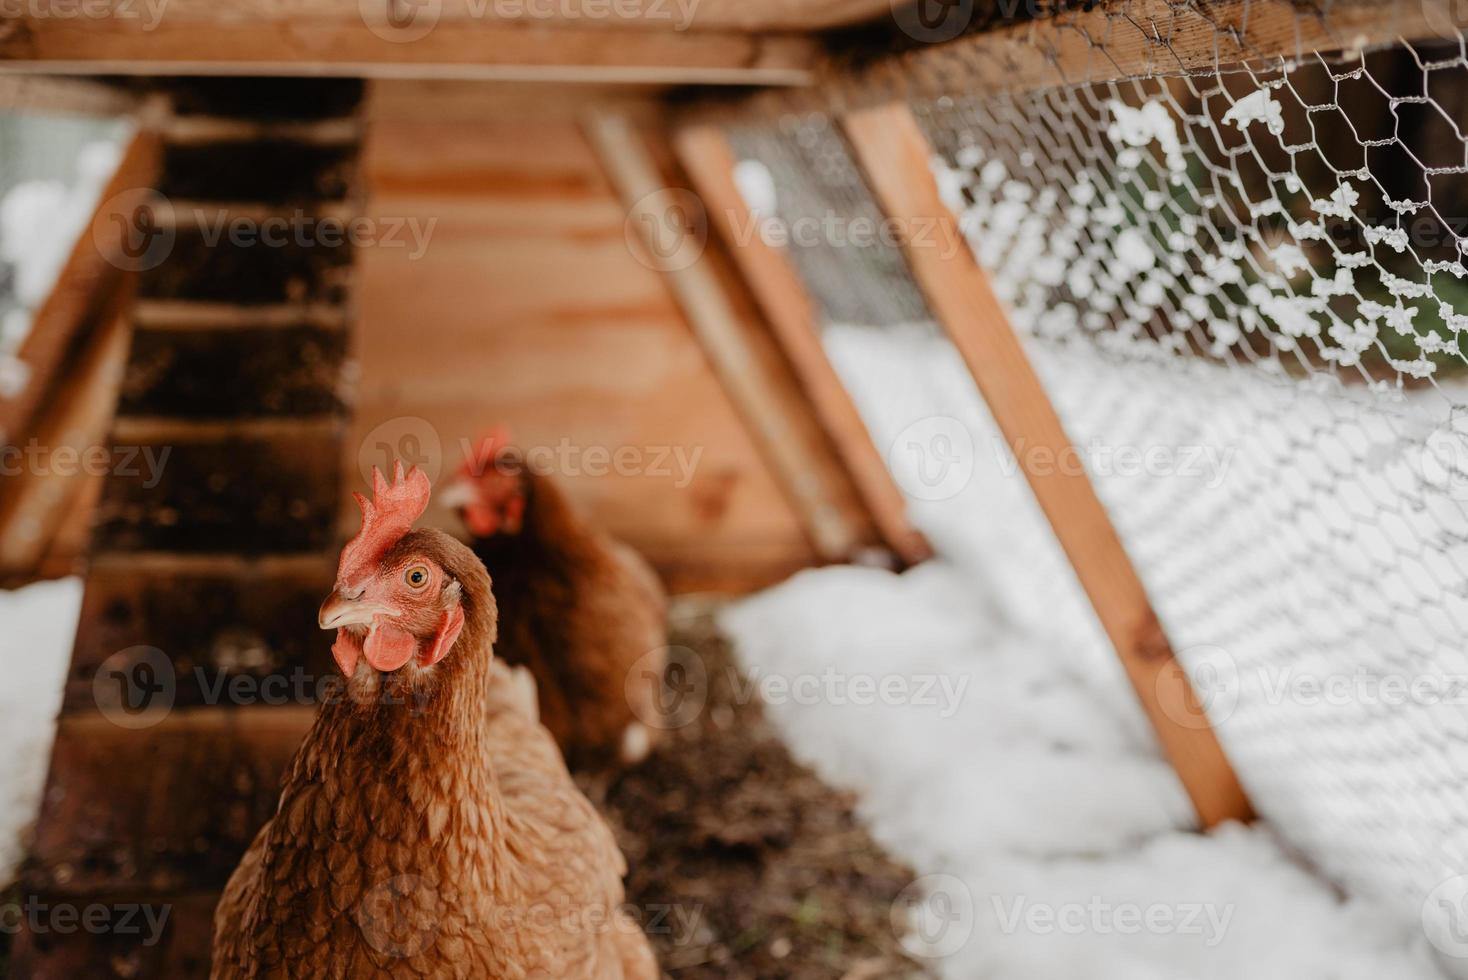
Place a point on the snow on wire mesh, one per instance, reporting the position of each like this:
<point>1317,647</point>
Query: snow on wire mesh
<point>1244,287</point>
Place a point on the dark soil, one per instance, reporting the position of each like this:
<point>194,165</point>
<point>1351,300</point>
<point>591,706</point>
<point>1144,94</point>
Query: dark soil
<point>743,864</point>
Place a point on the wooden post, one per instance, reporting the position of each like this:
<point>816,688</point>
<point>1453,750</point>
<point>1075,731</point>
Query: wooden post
<point>894,153</point>
<point>709,162</point>
<point>748,365</point>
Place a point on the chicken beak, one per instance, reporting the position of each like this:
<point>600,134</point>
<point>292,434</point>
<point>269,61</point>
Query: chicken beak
<point>342,610</point>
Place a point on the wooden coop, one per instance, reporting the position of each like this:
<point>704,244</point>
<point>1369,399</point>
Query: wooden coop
<point>519,215</point>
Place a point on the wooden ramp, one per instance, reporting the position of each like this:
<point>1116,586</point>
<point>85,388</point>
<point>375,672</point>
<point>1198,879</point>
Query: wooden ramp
<point>193,675</point>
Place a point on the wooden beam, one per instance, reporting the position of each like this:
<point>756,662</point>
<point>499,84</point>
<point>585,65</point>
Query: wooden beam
<point>23,93</point>
<point>86,282</point>
<point>450,50</point>
<point>750,16</point>
<point>891,148</point>
<point>37,503</point>
<point>736,343</point>
<point>709,161</point>
<point>1105,42</point>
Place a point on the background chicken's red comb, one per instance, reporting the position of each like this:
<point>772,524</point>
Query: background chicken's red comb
<point>485,450</point>
<point>385,519</point>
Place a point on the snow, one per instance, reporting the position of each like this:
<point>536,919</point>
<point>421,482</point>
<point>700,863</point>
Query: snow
<point>1051,839</point>
<point>35,648</point>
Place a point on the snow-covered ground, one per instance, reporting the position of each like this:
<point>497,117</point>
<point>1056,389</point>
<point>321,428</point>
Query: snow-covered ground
<point>1023,777</point>
<point>37,625</point>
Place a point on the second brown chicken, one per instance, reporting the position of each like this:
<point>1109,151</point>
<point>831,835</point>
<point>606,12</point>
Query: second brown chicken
<point>584,612</point>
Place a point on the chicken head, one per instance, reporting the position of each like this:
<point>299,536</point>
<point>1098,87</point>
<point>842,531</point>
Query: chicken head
<point>393,601</point>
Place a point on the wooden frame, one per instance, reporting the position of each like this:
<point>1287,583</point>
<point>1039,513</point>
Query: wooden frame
<point>452,49</point>
<point>709,161</point>
<point>891,148</point>
<point>76,351</point>
<point>740,351</point>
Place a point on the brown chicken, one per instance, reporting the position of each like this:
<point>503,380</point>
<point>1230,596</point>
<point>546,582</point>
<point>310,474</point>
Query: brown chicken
<point>584,612</point>
<point>427,826</point>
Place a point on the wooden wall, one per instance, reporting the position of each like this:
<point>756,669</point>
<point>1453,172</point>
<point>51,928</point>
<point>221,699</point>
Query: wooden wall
<point>528,308</point>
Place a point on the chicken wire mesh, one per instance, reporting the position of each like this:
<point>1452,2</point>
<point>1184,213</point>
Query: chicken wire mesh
<point>1244,286</point>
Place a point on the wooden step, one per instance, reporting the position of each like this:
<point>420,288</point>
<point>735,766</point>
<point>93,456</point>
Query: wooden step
<point>173,314</point>
<point>203,265</point>
<point>254,488</point>
<point>265,99</point>
<point>254,169</point>
<point>246,372</point>
<point>187,130</point>
<point>166,808</point>
<point>214,621</point>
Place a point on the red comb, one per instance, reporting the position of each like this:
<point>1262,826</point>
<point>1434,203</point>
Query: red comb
<point>482,456</point>
<point>385,519</point>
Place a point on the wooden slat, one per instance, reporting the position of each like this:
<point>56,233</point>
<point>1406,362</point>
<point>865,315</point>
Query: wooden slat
<point>349,48</point>
<point>654,16</point>
<point>86,281</point>
<point>35,504</point>
<point>892,150</point>
<point>709,162</point>
<point>736,346</point>
<point>22,93</point>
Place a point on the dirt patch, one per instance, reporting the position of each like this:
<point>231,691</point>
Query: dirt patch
<point>743,863</point>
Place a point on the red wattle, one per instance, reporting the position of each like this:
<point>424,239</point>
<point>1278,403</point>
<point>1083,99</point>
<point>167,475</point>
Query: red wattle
<point>388,647</point>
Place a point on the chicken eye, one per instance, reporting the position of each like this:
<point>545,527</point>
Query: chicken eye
<point>416,577</point>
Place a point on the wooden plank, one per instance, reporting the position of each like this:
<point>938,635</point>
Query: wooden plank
<point>203,489</point>
<point>23,93</point>
<point>243,619</point>
<point>891,148</point>
<point>36,503</point>
<point>630,15</point>
<point>735,342</point>
<point>86,281</point>
<point>709,162</point>
<point>168,314</point>
<point>169,806</point>
<point>245,373</point>
<point>351,48</point>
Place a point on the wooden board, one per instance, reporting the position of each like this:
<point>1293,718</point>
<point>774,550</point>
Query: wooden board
<point>537,315</point>
<point>892,150</point>
<point>450,49</point>
<point>657,16</point>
